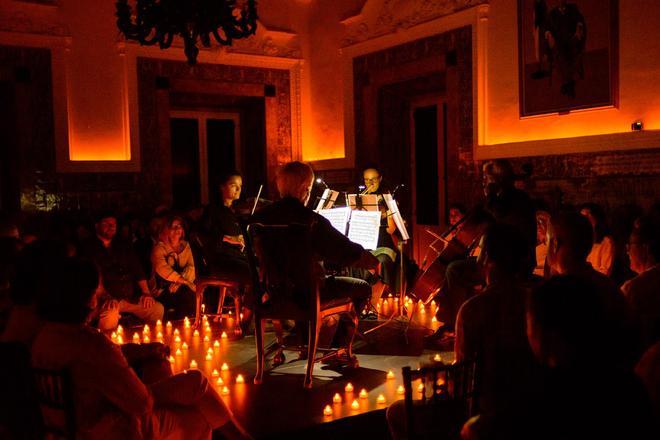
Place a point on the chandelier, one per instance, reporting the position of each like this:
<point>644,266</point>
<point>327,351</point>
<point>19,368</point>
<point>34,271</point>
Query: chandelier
<point>158,21</point>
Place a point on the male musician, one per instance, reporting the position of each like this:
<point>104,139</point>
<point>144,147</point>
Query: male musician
<point>385,249</point>
<point>506,205</point>
<point>294,183</point>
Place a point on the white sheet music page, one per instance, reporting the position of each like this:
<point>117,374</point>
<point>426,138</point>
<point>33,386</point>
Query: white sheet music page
<point>364,227</point>
<point>338,217</point>
<point>398,220</point>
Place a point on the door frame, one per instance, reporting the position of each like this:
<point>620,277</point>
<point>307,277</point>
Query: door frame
<point>202,116</point>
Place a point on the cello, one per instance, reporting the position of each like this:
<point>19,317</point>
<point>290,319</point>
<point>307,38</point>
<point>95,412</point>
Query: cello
<point>465,236</point>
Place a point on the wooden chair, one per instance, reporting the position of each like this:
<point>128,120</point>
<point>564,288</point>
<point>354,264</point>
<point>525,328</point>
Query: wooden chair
<point>55,397</point>
<point>445,402</point>
<point>226,286</point>
<point>286,286</point>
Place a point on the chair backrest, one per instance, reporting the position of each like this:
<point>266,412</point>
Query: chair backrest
<point>281,259</point>
<point>449,387</point>
<point>55,397</point>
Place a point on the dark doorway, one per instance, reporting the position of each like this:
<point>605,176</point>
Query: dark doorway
<point>184,134</point>
<point>221,148</point>
<point>10,200</point>
<point>425,120</point>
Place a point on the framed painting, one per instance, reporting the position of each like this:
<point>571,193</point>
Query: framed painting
<point>568,55</point>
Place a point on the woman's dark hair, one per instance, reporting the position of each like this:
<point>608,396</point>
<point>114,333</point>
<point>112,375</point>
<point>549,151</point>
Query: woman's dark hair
<point>226,176</point>
<point>505,246</point>
<point>66,290</point>
<point>598,213</point>
<point>169,219</point>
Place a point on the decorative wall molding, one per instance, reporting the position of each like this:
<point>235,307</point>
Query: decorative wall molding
<point>382,17</point>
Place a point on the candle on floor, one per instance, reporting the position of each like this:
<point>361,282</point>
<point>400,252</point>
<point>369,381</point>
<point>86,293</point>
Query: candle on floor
<point>225,391</point>
<point>193,364</point>
<point>209,357</point>
<point>223,335</point>
<point>363,394</point>
<point>327,411</point>
<point>177,339</point>
<point>169,324</point>
<point>120,330</point>
<point>120,340</point>
<point>203,308</point>
<point>219,381</point>
<point>178,352</point>
<point>176,332</point>
<point>390,374</point>
<point>209,351</point>
<point>171,359</point>
<point>349,388</point>
<point>136,338</point>
<point>196,333</point>
<point>113,336</point>
<point>400,390</point>
<point>146,329</point>
<point>437,358</point>
<point>159,323</point>
<point>380,399</point>
<point>206,338</point>
<point>216,344</point>
<point>239,379</point>
<point>355,404</point>
<point>336,398</point>
<point>215,373</point>
<point>159,336</point>
<point>146,339</point>
<point>224,367</point>
<point>184,346</point>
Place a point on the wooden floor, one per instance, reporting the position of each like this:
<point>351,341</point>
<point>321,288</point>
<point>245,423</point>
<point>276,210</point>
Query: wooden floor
<point>281,407</point>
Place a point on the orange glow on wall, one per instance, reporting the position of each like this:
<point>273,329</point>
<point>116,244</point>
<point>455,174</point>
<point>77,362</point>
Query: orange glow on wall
<point>98,149</point>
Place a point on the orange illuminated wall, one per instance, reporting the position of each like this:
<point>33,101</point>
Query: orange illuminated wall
<point>503,132</point>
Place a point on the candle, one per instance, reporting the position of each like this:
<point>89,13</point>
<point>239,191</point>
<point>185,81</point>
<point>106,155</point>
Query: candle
<point>206,338</point>
<point>178,352</point>
<point>355,404</point>
<point>136,338</point>
<point>207,329</point>
<point>169,324</point>
<point>420,388</point>
<point>225,391</point>
<point>336,398</point>
<point>400,390</point>
<point>177,339</point>
<point>390,374</point>
<point>120,330</point>
<point>363,394</point>
<point>158,323</point>
<point>223,335</point>
<point>239,379</point>
<point>113,336</point>
<point>349,388</point>
<point>209,351</point>
<point>437,358</point>
<point>380,399</point>
<point>120,340</point>
<point>216,344</point>
<point>146,339</point>
<point>171,359</point>
<point>184,346</point>
<point>434,320</point>
<point>176,331</point>
<point>146,330</point>
<point>327,411</point>
<point>224,367</point>
<point>193,364</point>
<point>196,333</point>
<point>209,357</point>
<point>215,373</point>
<point>204,308</point>
<point>219,381</point>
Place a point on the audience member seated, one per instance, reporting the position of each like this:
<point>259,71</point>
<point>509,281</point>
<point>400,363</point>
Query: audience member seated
<point>294,182</point>
<point>490,327</point>
<point>174,270</point>
<point>582,394</point>
<point>642,293</point>
<point>123,283</point>
<point>603,250</point>
<point>542,220</point>
<point>569,243</point>
<point>110,401</point>
<point>23,323</point>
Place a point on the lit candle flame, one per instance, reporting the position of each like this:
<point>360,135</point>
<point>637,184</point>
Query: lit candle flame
<point>219,381</point>
<point>437,358</point>
<point>224,367</point>
<point>380,399</point>
<point>136,338</point>
<point>215,373</point>
<point>171,359</point>
<point>146,329</point>
<point>206,338</point>
<point>193,364</point>
<point>355,404</point>
<point>196,333</point>
<point>390,374</point>
<point>327,411</point>
<point>178,352</point>
<point>223,335</point>
<point>146,339</point>
<point>120,330</point>
<point>225,391</point>
<point>400,390</point>
<point>209,357</point>
<point>239,379</point>
<point>336,398</point>
<point>216,344</point>
<point>169,324</point>
<point>184,346</point>
<point>177,339</point>
<point>363,394</point>
<point>349,388</point>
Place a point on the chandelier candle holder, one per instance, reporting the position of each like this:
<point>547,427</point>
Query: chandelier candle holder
<point>158,21</point>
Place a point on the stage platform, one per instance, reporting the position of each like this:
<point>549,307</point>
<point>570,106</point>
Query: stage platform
<point>280,407</point>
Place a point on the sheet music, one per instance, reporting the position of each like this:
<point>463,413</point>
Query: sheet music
<point>327,200</point>
<point>398,220</point>
<point>369,201</point>
<point>338,217</point>
<point>364,227</point>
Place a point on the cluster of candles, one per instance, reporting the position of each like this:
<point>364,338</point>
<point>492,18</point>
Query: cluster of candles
<point>423,314</point>
<point>180,342</point>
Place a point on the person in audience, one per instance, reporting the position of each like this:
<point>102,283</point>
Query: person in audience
<point>294,183</point>
<point>642,293</point>
<point>110,401</point>
<point>569,243</point>
<point>223,241</point>
<point>542,220</point>
<point>603,250</point>
<point>123,282</point>
<point>174,270</point>
<point>582,393</point>
<point>490,327</point>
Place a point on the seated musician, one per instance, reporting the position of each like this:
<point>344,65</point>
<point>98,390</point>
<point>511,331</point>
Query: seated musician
<point>503,204</point>
<point>224,246</point>
<point>123,282</point>
<point>294,183</point>
<point>385,249</point>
